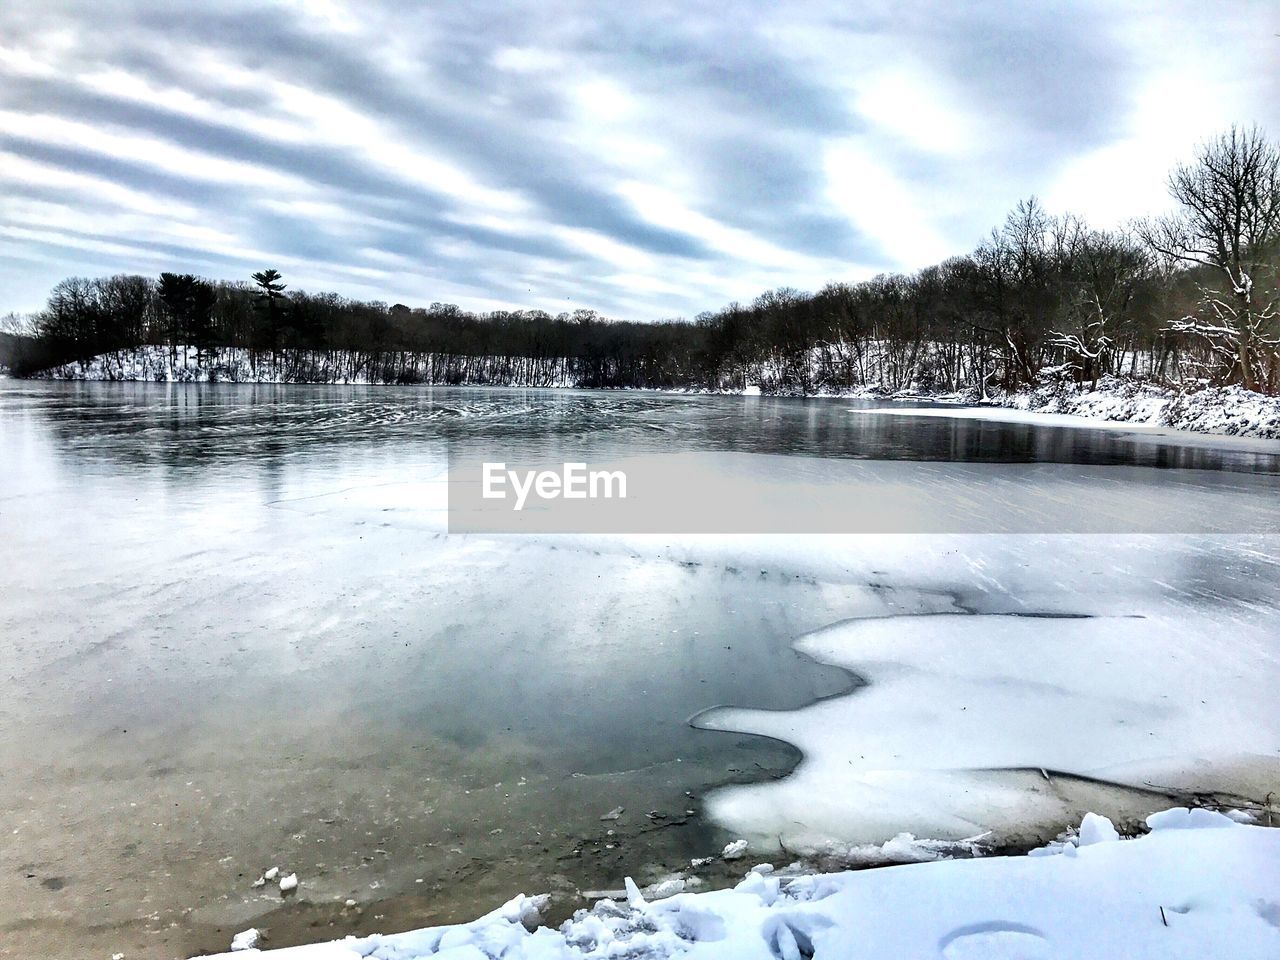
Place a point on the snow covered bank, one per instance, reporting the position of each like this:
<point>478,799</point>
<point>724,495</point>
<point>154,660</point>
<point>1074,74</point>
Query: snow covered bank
<point>154,363</point>
<point>1199,885</point>
<point>1230,410</point>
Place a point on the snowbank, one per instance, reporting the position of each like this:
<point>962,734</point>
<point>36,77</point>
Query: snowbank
<point>1199,885</point>
<point>1228,410</point>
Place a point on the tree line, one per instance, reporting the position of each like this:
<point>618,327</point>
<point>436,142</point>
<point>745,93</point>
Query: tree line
<point>1192,296</point>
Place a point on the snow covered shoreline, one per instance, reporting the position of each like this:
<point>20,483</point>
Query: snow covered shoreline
<point>1230,410</point>
<point>1200,884</point>
<point>1223,411</point>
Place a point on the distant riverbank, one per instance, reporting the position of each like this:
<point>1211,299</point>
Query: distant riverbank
<point>1229,410</point>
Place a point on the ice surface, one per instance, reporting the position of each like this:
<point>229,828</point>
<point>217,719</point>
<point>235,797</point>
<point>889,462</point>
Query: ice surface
<point>1256,431</point>
<point>1218,410</point>
<point>1196,892</point>
<point>216,557</point>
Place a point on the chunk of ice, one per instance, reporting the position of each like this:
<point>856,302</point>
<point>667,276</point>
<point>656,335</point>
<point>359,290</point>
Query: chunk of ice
<point>246,939</point>
<point>735,850</point>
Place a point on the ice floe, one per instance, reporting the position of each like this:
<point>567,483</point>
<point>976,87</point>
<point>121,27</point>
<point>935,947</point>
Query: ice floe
<point>967,721</point>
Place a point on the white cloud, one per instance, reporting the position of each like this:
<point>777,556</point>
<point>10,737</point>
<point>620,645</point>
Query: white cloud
<point>906,101</point>
<point>1188,92</point>
<point>883,206</point>
<point>18,172</point>
<point>645,165</point>
<point>149,151</point>
<point>527,60</point>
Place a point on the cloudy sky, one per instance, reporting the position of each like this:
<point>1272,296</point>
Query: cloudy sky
<point>649,159</point>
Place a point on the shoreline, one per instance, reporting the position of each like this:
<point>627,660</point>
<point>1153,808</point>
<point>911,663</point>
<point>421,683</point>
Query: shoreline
<point>1193,409</point>
<point>1142,889</point>
<point>289,930</point>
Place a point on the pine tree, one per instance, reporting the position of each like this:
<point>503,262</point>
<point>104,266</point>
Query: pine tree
<point>271,292</point>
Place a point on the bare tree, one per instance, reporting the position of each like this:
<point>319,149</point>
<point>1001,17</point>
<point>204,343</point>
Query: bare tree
<point>1229,223</point>
<point>18,325</point>
<point>1102,276</point>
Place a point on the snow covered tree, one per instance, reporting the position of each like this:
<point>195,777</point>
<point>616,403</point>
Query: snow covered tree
<point>1229,225</point>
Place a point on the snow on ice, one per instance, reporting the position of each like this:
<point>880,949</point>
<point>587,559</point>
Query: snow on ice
<point>1199,885</point>
<point>961,713</point>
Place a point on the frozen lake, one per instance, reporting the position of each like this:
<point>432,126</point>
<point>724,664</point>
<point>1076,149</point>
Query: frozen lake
<point>236,635</point>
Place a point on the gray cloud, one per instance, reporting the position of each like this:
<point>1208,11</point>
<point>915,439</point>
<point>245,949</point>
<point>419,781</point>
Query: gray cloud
<point>649,160</point>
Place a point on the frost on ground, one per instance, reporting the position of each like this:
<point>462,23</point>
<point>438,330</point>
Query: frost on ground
<point>1199,885</point>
